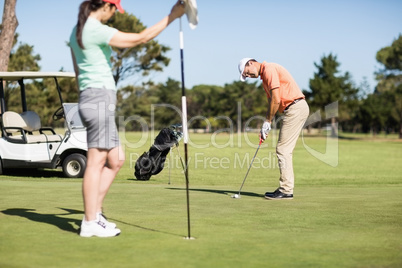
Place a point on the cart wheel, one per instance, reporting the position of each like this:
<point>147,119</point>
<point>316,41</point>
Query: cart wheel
<point>74,165</point>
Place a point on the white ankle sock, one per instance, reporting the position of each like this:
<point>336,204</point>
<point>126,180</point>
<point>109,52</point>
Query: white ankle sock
<point>88,222</point>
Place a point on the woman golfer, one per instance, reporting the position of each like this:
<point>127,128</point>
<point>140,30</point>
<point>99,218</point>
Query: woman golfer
<point>90,43</point>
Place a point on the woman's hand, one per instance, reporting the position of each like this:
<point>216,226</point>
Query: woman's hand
<point>178,9</point>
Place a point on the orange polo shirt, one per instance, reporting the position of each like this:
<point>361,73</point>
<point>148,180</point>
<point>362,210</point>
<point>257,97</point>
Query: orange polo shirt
<point>275,76</point>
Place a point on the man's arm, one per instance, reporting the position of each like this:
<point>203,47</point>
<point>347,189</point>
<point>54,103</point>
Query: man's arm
<point>273,104</point>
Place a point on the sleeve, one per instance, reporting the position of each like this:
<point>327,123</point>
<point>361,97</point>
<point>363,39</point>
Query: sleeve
<point>104,34</point>
<point>272,77</point>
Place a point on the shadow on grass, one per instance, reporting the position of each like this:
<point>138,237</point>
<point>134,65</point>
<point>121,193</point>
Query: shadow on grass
<point>34,173</point>
<point>146,228</point>
<point>349,138</point>
<point>224,192</point>
<point>65,224</point>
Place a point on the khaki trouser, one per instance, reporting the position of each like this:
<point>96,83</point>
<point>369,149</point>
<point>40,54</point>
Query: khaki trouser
<point>294,118</point>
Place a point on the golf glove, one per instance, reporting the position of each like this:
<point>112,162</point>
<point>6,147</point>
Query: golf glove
<point>266,127</point>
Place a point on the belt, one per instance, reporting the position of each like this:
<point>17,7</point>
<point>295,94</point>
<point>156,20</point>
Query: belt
<point>294,102</point>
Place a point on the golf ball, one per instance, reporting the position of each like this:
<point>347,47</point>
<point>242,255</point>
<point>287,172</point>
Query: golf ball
<point>236,196</point>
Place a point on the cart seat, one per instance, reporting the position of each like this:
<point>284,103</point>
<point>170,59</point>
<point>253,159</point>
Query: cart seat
<point>20,128</point>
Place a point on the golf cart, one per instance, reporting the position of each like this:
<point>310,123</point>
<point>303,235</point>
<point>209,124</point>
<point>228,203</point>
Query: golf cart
<point>25,143</point>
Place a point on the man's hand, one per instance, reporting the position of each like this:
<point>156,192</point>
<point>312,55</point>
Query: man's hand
<point>266,127</point>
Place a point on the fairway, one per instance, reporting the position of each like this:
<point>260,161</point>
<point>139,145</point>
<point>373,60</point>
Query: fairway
<point>346,211</point>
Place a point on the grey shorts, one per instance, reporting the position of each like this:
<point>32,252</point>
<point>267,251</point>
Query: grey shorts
<point>97,108</point>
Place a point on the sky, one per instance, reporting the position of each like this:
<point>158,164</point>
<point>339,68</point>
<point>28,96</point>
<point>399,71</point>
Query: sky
<point>293,33</point>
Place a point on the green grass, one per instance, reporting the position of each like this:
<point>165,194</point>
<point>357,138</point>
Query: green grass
<point>343,216</point>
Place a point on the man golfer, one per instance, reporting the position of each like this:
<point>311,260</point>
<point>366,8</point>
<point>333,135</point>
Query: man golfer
<point>284,96</point>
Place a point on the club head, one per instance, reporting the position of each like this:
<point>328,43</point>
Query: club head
<point>236,196</point>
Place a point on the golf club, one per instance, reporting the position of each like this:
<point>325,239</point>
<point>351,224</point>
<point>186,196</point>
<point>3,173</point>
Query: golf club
<point>238,195</point>
<point>170,162</point>
<point>181,160</point>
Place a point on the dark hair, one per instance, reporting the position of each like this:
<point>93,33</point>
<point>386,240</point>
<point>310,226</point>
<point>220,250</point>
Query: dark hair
<point>249,61</point>
<point>86,8</point>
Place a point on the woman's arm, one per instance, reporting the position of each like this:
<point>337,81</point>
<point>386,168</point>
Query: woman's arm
<point>75,68</point>
<point>126,40</point>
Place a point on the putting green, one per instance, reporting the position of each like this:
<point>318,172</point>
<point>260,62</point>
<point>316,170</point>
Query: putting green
<point>342,216</point>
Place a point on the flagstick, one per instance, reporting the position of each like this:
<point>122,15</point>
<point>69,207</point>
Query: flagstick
<point>185,130</point>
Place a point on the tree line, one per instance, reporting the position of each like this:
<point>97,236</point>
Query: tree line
<point>227,107</point>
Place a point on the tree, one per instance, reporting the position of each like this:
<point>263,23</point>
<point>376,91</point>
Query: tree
<point>159,105</point>
<point>390,78</point>
<point>211,102</point>
<point>253,101</point>
<point>20,60</point>
<point>203,99</point>
<point>23,59</point>
<point>134,102</point>
<point>328,86</point>
<point>391,57</point>
<point>208,105</point>
<point>8,27</point>
<point>202,105</point>
<point>168,111</point>
<point>146,57</point>
<point>374,112</point>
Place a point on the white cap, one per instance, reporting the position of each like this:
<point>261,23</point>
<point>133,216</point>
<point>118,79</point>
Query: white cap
<point>242,64</point>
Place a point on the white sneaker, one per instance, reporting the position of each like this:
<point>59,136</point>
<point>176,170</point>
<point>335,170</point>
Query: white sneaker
<point>97,228</point>
<point>102,218</point>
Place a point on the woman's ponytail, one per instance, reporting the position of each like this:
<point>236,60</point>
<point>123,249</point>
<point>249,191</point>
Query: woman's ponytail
<point>86,8</point>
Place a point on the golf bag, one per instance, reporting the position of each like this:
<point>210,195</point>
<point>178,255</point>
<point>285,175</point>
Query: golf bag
<point>152,162</point>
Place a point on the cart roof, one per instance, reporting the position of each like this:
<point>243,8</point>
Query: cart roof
<point>15,76</point>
